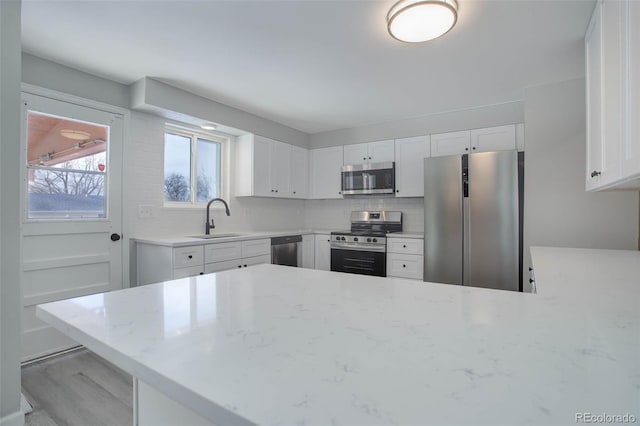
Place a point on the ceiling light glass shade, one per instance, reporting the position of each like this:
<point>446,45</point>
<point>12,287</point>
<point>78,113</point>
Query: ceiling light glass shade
<point>414,21</point>
<point>76,135</point>
<point>208,126</point>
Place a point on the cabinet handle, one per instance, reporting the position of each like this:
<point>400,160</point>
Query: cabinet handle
<point>369,158</point>
<point>272,190</point>
<point>531,280</point>
<point>328,241</point>
<point>190,256</point>
<point>473,148</point>
<point>530,268</point>
<point>239,266</point>
<point>339,192</point>
<point>245,266</point>
<point>404,266</point>
<point>397,190</point>
<point>294,192</point>
<point>404,246</point>
<point>466,149</point>
<point>201,273</point>
<point>595,173</point>
<point>364,158</point>
<point>276,190</point>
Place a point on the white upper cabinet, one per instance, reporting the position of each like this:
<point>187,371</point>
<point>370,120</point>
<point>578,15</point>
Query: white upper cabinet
<point>453,143</point>
<point>611,57</point>
<point>410,155</point>
<point>326,169</point>
<point>500,138</point>
<point>371,152</point>
<point>631,155</point>
<point>264,167</point>
<point>299,172</point>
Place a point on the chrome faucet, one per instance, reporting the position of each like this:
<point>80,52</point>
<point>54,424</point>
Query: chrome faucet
<point>209,225</point>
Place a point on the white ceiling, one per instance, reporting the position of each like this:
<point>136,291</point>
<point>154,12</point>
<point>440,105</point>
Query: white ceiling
<point>315,65</point>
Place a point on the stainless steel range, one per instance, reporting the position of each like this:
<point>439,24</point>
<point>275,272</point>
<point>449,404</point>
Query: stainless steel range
<point>363,249</point>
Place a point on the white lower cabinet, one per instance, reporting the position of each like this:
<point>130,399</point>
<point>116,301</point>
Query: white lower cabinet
<point>157,263</point>
<point>308,251</point>
<point>405,258</point>
<point>322,253</point>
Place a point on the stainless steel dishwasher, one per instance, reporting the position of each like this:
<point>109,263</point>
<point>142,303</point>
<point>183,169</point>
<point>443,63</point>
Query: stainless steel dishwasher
<point>286,250</point>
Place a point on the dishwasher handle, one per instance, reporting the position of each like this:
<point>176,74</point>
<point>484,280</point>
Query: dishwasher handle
<point>276,241</point>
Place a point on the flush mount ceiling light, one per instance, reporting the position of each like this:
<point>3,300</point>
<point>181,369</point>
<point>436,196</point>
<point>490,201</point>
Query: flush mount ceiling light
<point>76,135</point>
<point>208,126</point>
<point>414,21</point>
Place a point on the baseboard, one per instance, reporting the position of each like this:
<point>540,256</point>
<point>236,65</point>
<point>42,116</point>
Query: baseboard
<point>14,419</point>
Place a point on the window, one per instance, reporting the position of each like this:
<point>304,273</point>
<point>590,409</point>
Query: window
<point>192,166</point>
<point>66,168</point>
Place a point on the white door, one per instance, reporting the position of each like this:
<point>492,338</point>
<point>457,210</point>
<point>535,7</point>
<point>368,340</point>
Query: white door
<point>308,251</point>
<point>323,252</point>
<point>454,143</point>
<point>299,172</point>
<point>72,210</point>
<point>593,44</point>
<point>500,138</point>
<point>631,155</point>
<point>381,151</point>
<point>410,155</point>
<point>261,167</point>
<point>356,153</point>
<point>280,156</point>
<point>326,168</point>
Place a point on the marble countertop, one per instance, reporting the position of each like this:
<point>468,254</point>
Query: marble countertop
<point>275,345</point>
<point>239,236</point>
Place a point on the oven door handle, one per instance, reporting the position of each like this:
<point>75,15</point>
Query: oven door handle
<point>345,246</point>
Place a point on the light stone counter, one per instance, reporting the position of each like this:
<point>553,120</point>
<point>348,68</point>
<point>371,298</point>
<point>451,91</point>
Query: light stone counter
<point>275,345</point>
<point>238,236</point>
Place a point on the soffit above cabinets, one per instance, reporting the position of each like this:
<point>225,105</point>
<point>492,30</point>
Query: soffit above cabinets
<point>320,65</point>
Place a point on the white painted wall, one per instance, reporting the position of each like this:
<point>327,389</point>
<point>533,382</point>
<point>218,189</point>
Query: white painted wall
<point>558,211</point>
<point>51,75</point>
<point>451,121</point>
<point>10,291</point>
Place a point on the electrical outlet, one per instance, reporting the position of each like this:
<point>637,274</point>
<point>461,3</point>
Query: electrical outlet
<point>145,211</point>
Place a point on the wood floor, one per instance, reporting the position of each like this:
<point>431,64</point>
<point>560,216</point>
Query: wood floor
<point>77,389</point>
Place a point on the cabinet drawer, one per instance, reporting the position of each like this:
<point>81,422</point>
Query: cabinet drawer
<point>256,247</point>
<point>256,260</point>
<point>221,266</point>
<point>404,266</point>
<point>405,245</point>
<point>187,272</point>
<point>185,257</point>
<point>222,251</point>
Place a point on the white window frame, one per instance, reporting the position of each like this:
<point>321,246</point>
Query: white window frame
<point>194,135</point>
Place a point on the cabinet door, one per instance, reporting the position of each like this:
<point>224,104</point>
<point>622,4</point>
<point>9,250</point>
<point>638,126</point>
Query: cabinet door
<point>501,138</point>
<point>256,260</point>
<point>261,166</point>
<point>381,151</point>
<point>187,272</point>
<point>631,155</point>
<point>218,252</point>
<point>308,251</point>
<point>356,154</point>
<point>453,143</point>
<point>279,168</point>
<point>326,168</point>
<point>221,266</point>
<point>410,155</point>
<point>593,58</point>
<point>253,248</point>
<point>613,86</point>
<point>323,252</point>
<point>299,172</point>
<point>404,266</point>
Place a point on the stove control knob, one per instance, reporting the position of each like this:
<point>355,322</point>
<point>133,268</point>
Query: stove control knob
<point>375,240</point>
<point>343,238</point>
<point>337,238</point>
<point>368,240</point>
<point>355,239</point>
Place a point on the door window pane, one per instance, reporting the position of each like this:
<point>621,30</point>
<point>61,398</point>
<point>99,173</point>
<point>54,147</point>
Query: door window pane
<point>66,168</point>
<point>177,167</point>
<point>208,170</point>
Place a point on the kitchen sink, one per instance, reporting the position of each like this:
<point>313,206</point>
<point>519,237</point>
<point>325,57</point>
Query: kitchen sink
<point>208,237</point>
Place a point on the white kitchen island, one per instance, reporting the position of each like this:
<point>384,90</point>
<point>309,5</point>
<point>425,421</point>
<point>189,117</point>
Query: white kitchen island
<point>275,345</point>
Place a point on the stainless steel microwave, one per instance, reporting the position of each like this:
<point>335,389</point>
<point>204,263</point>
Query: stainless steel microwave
<point>371,178</point>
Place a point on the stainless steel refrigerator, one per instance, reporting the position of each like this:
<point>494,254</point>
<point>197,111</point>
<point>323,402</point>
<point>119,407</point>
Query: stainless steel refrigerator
<point>473,219</point>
